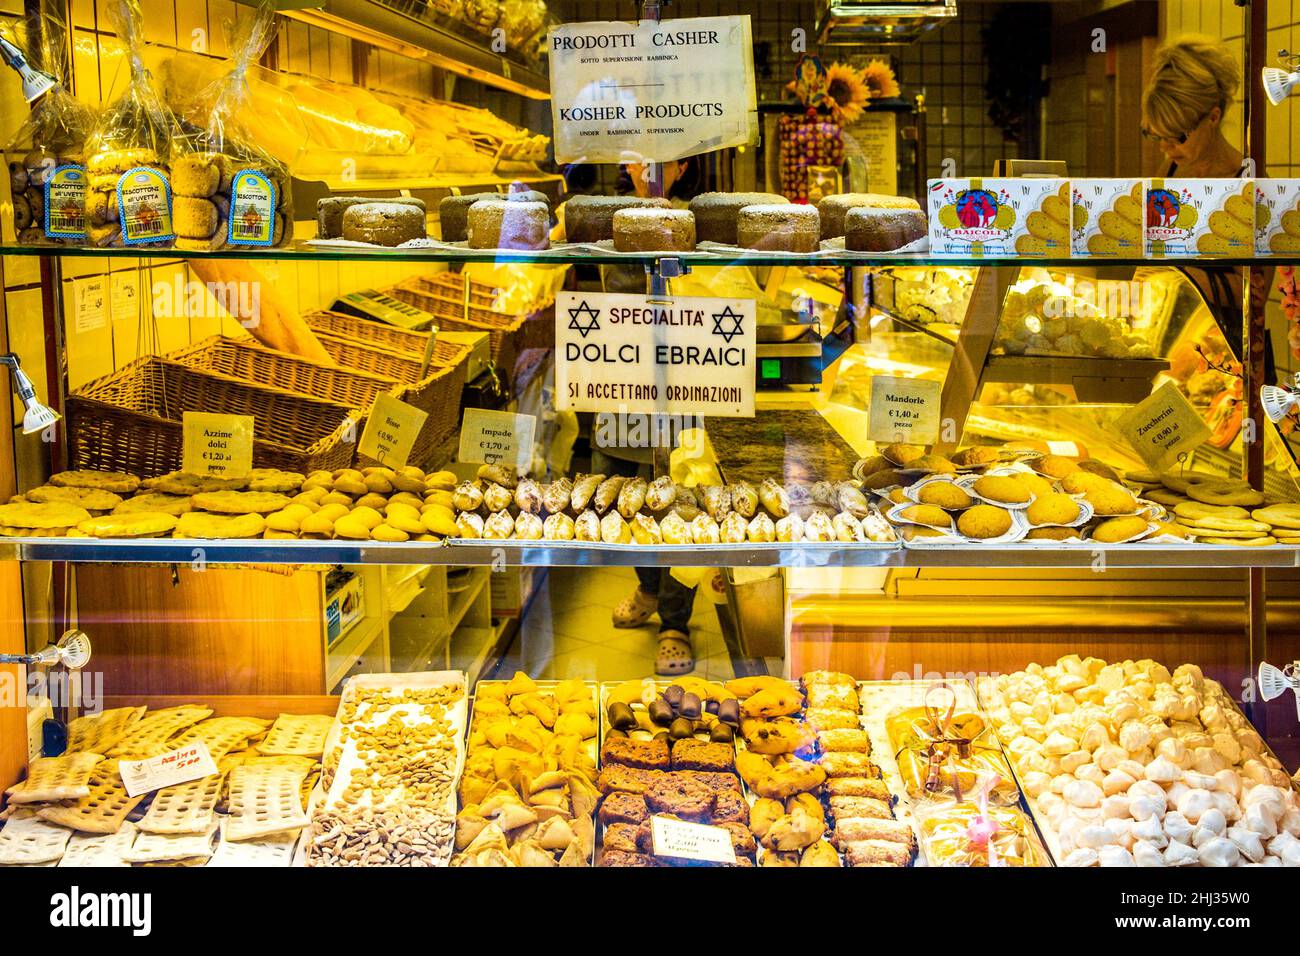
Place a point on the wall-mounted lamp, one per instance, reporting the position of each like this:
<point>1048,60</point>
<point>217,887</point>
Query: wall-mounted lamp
<point>38,417</point>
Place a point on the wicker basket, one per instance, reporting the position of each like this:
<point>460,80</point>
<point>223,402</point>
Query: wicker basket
<point>130,420</point>
<point>370,332</point>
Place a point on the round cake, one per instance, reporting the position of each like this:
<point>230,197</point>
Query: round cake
<point>383,223</point>
<point>776,228</point>
<point>868,229</point>
<point>591,218</point>
<point>494,224</point>
<point>654,230</point>
<point>834,208</point>
<point>330,210</point>
<point>453,211</point>
<point>715,213</point>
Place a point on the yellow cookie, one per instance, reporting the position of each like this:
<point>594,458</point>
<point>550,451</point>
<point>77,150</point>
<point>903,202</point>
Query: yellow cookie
<point>185,483</point>
<point>240,502</point>
<point>39,517</point>
<point>197,524</point>
<point>272,479</point>
<point>140,524</point>
<point>155,501</point>
<point>118,482</point>
<point>92,499</point>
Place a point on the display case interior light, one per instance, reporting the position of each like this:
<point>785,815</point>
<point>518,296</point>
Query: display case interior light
<point>1278,83</point>
<point>882,23</point>
<point>1278,401</point>
<point>37,417</point>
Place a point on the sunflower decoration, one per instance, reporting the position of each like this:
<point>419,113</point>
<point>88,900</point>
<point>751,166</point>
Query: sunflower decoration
<point>846,93</point>
<point>880,80</point>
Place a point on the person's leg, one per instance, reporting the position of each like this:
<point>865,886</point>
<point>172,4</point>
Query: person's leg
<point>640,606</point>
<point>675,655</point>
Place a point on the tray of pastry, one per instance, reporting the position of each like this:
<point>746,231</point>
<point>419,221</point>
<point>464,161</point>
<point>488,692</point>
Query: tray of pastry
<point>780,760</point>
<point>668,749</point>
<point>1129,763</point>
<point>528,791</point>
<point>391,765</point>
<point>934,745</point>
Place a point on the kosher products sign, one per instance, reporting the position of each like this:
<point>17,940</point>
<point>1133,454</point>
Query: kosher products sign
<point>652,92</point>
<point>679,355</point>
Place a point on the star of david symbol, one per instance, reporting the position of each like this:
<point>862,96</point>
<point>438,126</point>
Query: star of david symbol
<point>584,319</point>
<point>726,315</point>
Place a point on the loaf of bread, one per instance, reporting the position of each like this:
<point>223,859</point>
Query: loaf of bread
<point>779,228</point>
<point>383,223</point>
<point>591,218</point>
<point>453,211</point>
<point>494,224</point>
<point>833,209</point>
<point>868,229</point>
<point>716,213</point>
<point>654,229</point>
<point>330,210</point>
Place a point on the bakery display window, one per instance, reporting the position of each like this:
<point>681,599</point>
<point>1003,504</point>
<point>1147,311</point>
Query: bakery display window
<point>913,523</point>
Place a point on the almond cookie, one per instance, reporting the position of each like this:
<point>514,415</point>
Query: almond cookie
<point>155,501</point>
<point>196,524</point>
<point>92,499</point>
<point>272,479</point>
<point>185,483</point>
<point>140,524</point>
<point>118,482</point>
<point>240,502</point>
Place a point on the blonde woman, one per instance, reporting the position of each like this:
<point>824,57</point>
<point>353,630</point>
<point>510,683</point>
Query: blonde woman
<point>1183,106</point>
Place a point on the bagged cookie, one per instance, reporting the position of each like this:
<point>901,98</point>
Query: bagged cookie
<point>128,157</point>
<point>229,191</point>
<point>47,157</point>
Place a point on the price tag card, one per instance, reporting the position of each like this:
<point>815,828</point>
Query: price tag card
<point>1164,427</point>
<point>88,296</point>
<point>217,445</point>
<point>691,841</point>
<point>904,410</point>
<point>390,433</point>
<point>495,437</point>
<point>166,770</point>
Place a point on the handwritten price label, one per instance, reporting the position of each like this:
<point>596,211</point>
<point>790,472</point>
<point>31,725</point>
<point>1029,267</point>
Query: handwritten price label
<point>691,841</point>
<point>1164,427</point>
<point>166,770</point>
<point>391,431</point>
<point>217,445</point>
<point>904,410</point>
<point>497,437</point>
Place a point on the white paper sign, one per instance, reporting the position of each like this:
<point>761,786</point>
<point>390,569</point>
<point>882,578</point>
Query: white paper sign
<point>89,303</point>
<point>680,355</point>
<point>640,92</point>
<point>1163,427</point>
<point>193,762</point>
<point>494,437</point>
<point>691,841</point>
<point>904,410</point>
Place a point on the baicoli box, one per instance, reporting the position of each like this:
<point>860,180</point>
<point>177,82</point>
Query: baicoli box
<point>999,217</point>
<point>1200,217</point>
<point>1277,217</point>
<point>1107,217</point>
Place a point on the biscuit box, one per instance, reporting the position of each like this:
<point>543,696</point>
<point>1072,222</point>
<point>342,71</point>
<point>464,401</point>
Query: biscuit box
<point>1106,220</point>
<point>999,217</point>
<point>1277,217</point>
<point>1200,217</point>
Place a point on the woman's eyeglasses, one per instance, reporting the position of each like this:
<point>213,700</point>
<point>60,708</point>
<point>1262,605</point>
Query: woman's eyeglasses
<point>1178,140</point>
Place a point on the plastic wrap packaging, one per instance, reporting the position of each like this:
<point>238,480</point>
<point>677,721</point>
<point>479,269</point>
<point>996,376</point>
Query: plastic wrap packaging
<point>129,199</point>
<point>970,832</point>
<point>229,192</point>
<point>47,157</point>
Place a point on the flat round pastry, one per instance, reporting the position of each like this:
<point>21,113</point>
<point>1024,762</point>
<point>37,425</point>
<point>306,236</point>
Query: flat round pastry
<point>1195,510</point>
<point>591,218</point>
<point>272,479</point>
<point>834,210</point>
<point>383,223</point>
<point>1225,493</point>
<point>1279,516</point>
<point>453,211</point>
<point>1216,525</point>
<point>39,517</point>
<point>776,228</point>
<point>118,482</point>
<point>654,230</point>
<point>92,499</point>
<point>197,524</point>
<point>716,213</point>
<point>1180,481</point>
<point>1162,496</point>
<point>1261,542</point>
<point>240,502</point>
<point>185,483</point>
<point>509,225</point>
<point>140,524</point>
<point>867,229</point>
<point>155,501</point>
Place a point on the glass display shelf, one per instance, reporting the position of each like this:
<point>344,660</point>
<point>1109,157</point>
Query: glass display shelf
<point>573,254</point>
<point>464,553</point>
